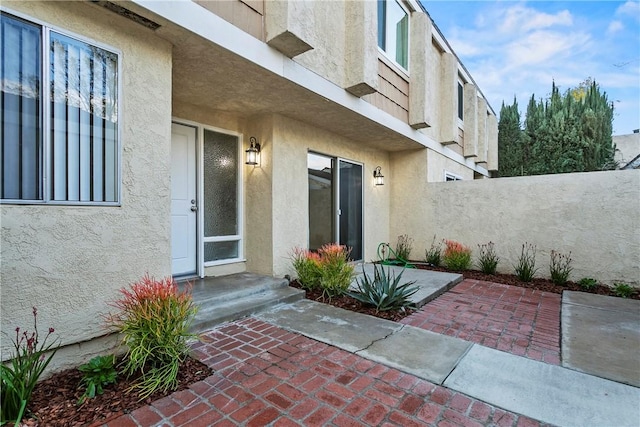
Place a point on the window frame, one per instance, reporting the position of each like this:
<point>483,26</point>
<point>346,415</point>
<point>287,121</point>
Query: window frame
<point>450,176</point>
<point>382,50</point>
<point>46,147</point>
<point>460,101</point>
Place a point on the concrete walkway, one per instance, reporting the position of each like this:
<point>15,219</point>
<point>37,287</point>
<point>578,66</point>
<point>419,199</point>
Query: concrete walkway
<point>551,394</point>
<point>601,336</point>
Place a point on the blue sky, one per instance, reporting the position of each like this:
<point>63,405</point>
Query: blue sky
<point>519,47</point>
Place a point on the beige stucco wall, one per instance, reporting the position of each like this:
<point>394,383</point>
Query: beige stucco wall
<point>594,215</point>
<point>412,171</point>
<point>627,148</point>
<point>292,140</point>
<point>69,260</point>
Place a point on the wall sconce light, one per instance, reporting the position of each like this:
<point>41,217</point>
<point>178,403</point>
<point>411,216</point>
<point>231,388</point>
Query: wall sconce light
<point>251,154</point>
<point>378,178</point>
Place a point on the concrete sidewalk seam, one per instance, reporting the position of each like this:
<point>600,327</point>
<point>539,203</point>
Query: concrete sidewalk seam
<point>380,339</point>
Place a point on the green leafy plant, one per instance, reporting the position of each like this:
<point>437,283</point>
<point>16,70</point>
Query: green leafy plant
<point>456,256</point>
<point>328,269</point>
<point>560,268</point>
<point>404,246</point>
<point>307,266</point>
<point>525,269</point>
<point>336,272</point>
<point>623,290</point>
<point>384,292</point>
<point>98,373</point>
<point>587,283</point>
<point>154,318</point>
<point>487,258</point>
<point>433,255</point>
<point>19,377</point>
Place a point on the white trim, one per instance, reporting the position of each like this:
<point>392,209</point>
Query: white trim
<point>393,64</point>
<point>453,176</point>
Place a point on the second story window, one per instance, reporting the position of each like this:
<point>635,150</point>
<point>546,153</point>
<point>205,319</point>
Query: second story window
<point>460,101</point>
<point>393,31</point>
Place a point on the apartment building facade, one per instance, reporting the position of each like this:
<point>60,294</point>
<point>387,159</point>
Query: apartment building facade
<point>196,138</point>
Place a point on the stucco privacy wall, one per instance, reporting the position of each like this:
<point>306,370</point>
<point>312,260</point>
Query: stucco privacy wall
<point>69,260</point>
<point>594,215</point>
<point>292,140</point>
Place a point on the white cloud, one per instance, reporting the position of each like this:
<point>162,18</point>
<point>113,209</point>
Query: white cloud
<point>631,8</point>
<point>519,18</point>
<point>541,46</point>
<point>614,27</point>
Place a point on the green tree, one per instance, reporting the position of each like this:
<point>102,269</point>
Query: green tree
<point>510,141</point>
<point>568,132</point>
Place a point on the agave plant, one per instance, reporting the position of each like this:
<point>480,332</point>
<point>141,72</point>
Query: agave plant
<point>384,292</point>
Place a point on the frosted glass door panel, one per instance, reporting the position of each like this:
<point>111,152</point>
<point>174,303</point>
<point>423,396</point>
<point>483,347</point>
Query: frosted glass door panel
<point>221,159</point>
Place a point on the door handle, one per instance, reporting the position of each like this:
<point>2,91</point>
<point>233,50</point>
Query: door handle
<point>193,205</point>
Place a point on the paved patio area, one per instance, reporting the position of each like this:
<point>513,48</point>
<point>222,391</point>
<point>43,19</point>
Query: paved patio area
<point>456,362</point>
<point>268,376</point>
<point>516,320</point>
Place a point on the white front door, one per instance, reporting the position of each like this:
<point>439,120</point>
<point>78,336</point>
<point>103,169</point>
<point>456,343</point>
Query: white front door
<point>183,200</point>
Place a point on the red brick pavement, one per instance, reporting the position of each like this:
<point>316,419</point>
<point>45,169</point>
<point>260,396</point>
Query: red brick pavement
<point>268,376</point>
<point>516,320</point>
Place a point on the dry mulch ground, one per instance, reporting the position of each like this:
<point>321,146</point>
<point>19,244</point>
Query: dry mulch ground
<point>54,402</point>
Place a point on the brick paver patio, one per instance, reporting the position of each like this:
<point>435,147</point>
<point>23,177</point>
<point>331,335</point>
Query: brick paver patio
<point>265,375</point>
<point>516,320</point>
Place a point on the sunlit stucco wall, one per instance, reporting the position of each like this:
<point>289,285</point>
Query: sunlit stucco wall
<point>593,215</point>
<point>69,261</point>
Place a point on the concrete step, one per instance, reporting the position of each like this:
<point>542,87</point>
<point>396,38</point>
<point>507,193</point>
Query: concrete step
<point>220,310</point>
<point>220,289</point>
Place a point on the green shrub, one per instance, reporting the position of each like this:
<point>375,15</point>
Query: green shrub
<point>99,372</point>
<point>404,247</point>
<point>307,266</point>
<point>384,292</point>
<point>19,377</point>
<point>433,255</point>
<point>526,267</point>
<point>336,272</point>
<point>456,256</point>
<point>487,258</point>
<point>587,283</point>
<point>560,268</point>
<point>154,319</point>
<point>623,290</point>
<point>328,270</point>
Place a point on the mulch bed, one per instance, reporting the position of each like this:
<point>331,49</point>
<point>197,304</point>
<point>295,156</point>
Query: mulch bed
<point>539,284</point>
<point>54,400</point>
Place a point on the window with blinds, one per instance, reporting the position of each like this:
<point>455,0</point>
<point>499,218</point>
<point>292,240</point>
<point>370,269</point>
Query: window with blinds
<point>59,119</point>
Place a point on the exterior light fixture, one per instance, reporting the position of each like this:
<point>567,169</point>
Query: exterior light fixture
<point>251,154</point>
<point>378,178</point>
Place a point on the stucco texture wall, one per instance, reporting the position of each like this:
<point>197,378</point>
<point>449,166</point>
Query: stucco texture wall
<point>68,261</point>
<point>292,140</point>
<point>594,215</point>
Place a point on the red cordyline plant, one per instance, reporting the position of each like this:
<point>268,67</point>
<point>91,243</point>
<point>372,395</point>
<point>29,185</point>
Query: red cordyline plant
<point>154,318</point>
<point>19,377</point>
<point>456,256</point>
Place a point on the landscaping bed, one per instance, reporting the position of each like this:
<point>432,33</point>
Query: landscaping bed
<point>55,400</point>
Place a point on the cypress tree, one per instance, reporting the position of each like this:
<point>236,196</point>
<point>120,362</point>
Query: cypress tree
<point>568,132</point>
